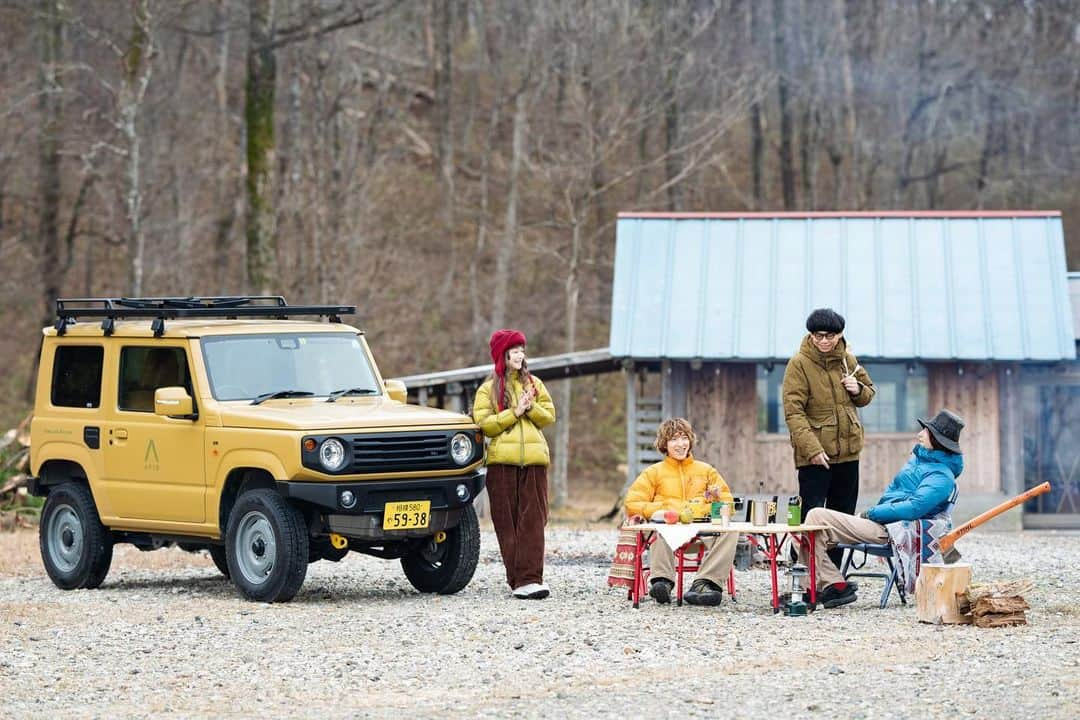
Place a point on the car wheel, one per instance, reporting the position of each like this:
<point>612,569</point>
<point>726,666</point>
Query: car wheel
<point>75,547</point>
<point>448,566</point>
<point>217,554</point>
<point>266,545</point>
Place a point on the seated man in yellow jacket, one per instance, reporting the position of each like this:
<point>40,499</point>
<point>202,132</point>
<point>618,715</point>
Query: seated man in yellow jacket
<point>669,485</point>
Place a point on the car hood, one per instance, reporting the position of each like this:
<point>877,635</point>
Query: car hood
<point>360,414</point>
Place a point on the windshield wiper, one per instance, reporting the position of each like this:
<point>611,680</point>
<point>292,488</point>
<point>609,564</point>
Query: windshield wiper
<point>332,397</point>
<point>260,399</point>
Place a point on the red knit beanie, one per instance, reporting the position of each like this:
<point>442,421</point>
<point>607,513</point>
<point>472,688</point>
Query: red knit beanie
<point>501,341</point>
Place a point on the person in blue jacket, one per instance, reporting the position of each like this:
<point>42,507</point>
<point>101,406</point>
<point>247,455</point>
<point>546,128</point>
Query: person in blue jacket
<point>921,489</point>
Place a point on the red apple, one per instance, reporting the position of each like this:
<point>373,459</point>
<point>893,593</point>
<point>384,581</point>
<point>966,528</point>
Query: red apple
<point>671,517</point>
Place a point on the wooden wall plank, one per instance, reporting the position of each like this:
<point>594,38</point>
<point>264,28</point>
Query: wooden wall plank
<point>722,406</point>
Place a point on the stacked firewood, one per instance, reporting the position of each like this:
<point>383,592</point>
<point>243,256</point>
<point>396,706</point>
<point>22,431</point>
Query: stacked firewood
<point>17,507</point>
<point>998,604</point>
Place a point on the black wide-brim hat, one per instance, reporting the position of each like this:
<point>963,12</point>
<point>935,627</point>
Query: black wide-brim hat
<point>945,427</point>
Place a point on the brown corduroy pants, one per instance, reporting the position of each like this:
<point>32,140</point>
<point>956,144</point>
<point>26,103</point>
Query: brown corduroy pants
<point>519,512</point>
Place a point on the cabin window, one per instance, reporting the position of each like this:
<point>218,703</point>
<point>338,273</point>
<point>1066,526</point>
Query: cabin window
<point>901,397</point>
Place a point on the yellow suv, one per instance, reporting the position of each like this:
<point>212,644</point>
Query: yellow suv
<point>225,424</point>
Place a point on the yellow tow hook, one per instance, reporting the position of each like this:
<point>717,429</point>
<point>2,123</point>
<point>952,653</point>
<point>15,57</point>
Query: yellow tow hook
<point>440,537</point>
<point>340,542</point>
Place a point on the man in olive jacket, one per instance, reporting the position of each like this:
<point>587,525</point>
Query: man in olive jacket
<point>823,386</point>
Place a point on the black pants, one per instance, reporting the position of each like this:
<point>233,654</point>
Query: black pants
<point>835,488</point>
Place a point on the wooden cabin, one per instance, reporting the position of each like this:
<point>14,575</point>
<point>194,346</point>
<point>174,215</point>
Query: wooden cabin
<point>965,310</point>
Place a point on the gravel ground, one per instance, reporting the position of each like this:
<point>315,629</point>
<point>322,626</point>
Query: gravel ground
<point>165,635</point>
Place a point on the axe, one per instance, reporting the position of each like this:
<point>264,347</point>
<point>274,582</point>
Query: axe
<point>950,554</point>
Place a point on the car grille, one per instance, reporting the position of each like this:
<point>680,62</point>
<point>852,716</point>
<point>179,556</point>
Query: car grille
<point>389,452</point>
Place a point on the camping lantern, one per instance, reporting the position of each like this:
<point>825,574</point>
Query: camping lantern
<point>795,605</point>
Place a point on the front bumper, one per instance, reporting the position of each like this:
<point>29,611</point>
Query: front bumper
<point>372,495</point>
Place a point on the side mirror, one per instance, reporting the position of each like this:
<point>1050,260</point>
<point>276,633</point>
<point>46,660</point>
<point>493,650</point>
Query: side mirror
<point>173,402</point>
<point>396,390</point>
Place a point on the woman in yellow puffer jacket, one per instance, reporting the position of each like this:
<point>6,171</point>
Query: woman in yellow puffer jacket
<point>511,407</point>
<point>669,485</point>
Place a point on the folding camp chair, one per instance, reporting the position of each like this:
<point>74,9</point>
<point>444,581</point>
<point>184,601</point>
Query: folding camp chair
<point>851,568</point>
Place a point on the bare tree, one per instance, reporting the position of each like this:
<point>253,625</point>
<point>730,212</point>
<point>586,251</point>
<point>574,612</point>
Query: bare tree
<point>259,97</point>
<point>50,101</point>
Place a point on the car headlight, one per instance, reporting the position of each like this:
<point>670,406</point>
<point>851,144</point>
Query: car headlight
<point>461,448</point>
<point>332,455</point>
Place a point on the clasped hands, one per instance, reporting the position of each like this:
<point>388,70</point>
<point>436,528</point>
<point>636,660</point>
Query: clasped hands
<point>524,403</point>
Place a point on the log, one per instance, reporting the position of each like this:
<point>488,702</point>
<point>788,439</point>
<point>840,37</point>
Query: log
<point>1005,620</point>
<point>941,593</point>
<point>999,605</point>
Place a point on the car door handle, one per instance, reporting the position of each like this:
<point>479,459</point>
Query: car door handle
<point>121,434</point>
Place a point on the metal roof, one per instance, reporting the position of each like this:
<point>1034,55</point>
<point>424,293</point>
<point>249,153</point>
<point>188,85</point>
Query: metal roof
<point>934,286</point>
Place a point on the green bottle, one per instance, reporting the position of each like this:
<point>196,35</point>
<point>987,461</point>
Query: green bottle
<point>794,510</point>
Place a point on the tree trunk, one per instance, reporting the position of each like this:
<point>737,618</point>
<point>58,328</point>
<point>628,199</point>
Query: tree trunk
<point>50,104</point>
<point>259,121</point>
<point>559,475</point>
<point>674,53</point>
<point>49,182</point>
<point>479,316</point>
<point>224,178</point>
<point>991,146</point>
<point>847,186</point>
<point>137,67</point>
<point>443,14</point>
<point>787,164</point>
<point>757,127</point>
<point>808,156</point>
<point>505,251</point>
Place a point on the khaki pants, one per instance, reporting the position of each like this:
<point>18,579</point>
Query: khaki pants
<point>842,528</point>
<point>715,565</point>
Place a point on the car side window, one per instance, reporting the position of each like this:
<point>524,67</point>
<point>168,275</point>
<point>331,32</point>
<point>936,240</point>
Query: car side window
<point>77,376</point>
<point>145,369</point>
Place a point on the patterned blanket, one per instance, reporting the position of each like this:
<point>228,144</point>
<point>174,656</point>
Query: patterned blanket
<point>622,565</point>
<point>915,542</point>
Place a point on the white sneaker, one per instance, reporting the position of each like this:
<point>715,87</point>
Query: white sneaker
<point>532,591</point>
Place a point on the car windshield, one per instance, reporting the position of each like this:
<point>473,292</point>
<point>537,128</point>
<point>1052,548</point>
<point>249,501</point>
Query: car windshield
<point>244,367</point>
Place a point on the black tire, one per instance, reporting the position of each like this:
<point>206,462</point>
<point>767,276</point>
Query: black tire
<point>266,546</point>
<point>448,566</point>
<point>217,554</point>
<point>75,547</point>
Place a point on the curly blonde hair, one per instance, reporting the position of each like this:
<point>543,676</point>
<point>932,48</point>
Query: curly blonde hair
<point>669,429</point>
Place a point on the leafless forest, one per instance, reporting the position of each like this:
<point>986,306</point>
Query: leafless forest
<point>454,166</point>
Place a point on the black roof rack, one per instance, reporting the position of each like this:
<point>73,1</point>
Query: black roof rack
<point>68,310</point>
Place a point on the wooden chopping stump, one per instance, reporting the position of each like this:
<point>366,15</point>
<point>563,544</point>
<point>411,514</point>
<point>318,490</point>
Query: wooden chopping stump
<point>941,593</point>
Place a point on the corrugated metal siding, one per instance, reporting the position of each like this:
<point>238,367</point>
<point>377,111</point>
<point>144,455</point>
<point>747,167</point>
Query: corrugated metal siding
<point>1074,293</point>
<point>951,286</point>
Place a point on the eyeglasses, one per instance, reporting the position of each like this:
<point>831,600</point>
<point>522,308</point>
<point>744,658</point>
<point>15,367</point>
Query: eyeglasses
<point>822,335</point>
